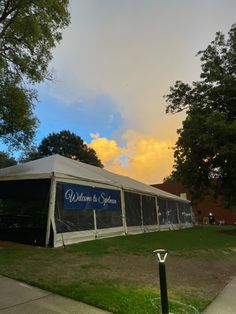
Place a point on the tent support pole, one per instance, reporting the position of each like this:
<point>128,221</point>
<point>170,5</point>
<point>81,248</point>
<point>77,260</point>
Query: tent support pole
<point>51,208</point>
<point>122,194</point>
<point>95,224</point>
<point>141,212</point>
<point>178,215</point>
<point>157,211</point>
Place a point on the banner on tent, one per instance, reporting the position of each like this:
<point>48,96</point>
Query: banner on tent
<point>85,197</point>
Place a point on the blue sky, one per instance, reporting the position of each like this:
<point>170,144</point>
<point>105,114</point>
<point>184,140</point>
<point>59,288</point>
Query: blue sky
<point>80,116</point>
<point>114,64</point>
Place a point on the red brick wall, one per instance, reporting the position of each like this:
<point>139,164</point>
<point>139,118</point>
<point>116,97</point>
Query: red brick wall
<point>201,208</point>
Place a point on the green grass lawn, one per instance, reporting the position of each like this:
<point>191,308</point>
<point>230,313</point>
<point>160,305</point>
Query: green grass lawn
<point>87,271</point>
<point>184,242</point>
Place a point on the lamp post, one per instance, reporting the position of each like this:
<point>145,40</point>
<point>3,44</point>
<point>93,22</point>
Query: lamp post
<point>161,255</point>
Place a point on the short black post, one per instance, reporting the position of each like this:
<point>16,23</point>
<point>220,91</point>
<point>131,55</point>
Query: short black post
<point>162,254</point>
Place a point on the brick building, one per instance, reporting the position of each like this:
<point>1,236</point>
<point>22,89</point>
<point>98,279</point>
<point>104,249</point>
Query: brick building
<point>203,207</point>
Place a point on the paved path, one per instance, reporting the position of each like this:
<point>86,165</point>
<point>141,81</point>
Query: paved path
<point>19,298</point>
<point>225,302</point>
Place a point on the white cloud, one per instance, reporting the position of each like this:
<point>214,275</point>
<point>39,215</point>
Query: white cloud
<point>133,51</point>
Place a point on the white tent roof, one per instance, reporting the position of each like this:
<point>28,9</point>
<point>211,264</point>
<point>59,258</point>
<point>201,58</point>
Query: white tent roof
<point>62,167</point>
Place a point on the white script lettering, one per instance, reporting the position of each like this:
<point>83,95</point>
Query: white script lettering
<point>74,197</point>
<point>106,200</point>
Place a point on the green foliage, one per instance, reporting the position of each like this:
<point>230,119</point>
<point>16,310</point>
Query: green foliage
<point>206,148</point>
<point>67,144</point>
<point>29,30</point>
<point>170,179</point>
<point>6,160</point>
<point>17,121</point>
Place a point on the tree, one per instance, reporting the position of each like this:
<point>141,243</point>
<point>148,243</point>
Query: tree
<point>29,30</point>
<point>66,144</point>
<point>170,179</point>
<point>17,121</point>
<point>6,160</point>
<point>205,151</point>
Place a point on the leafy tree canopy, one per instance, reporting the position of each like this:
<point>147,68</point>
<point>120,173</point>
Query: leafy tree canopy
<point>205,151</point>
<point>17,121</point>
<point>67,144</point>
<point>6,160</point>
<point>170,179</point>
<point>29,30</point>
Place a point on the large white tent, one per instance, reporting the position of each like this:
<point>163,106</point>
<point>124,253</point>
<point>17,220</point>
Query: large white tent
<point>57,200</point>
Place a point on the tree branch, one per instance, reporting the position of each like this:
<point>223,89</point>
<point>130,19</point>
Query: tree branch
<point>6,13</point>
<point>8,24</point>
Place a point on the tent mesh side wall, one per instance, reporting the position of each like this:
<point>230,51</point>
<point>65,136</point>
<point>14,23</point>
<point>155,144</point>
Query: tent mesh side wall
<point>185,213</point>
<point>149,210</point>
<point>133,209</point>
<point>173,212</point>
<point>140,210</point>
<point>84,218</point>
<point>24,210</point>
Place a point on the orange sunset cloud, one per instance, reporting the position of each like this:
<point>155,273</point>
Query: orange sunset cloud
<point>144,158</point>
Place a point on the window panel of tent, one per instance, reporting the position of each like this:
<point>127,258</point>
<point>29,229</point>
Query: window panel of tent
<point>188,213</point>
<point>77,213</point>
<point>182,216</point>
<point>149,210</point>
<point>71,220</point>
<point>185,212</point>
<point>24,210</point>
<point>108,218</point>
<point>172,215</point>
<point>162,211</point>
<point>133,209</point>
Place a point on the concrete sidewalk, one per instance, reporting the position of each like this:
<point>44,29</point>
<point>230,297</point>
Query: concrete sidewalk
<point>19,298</point>
<point>225,302</point>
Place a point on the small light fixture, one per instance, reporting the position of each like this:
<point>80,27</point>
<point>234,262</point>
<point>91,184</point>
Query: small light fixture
<point>161,254</point>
